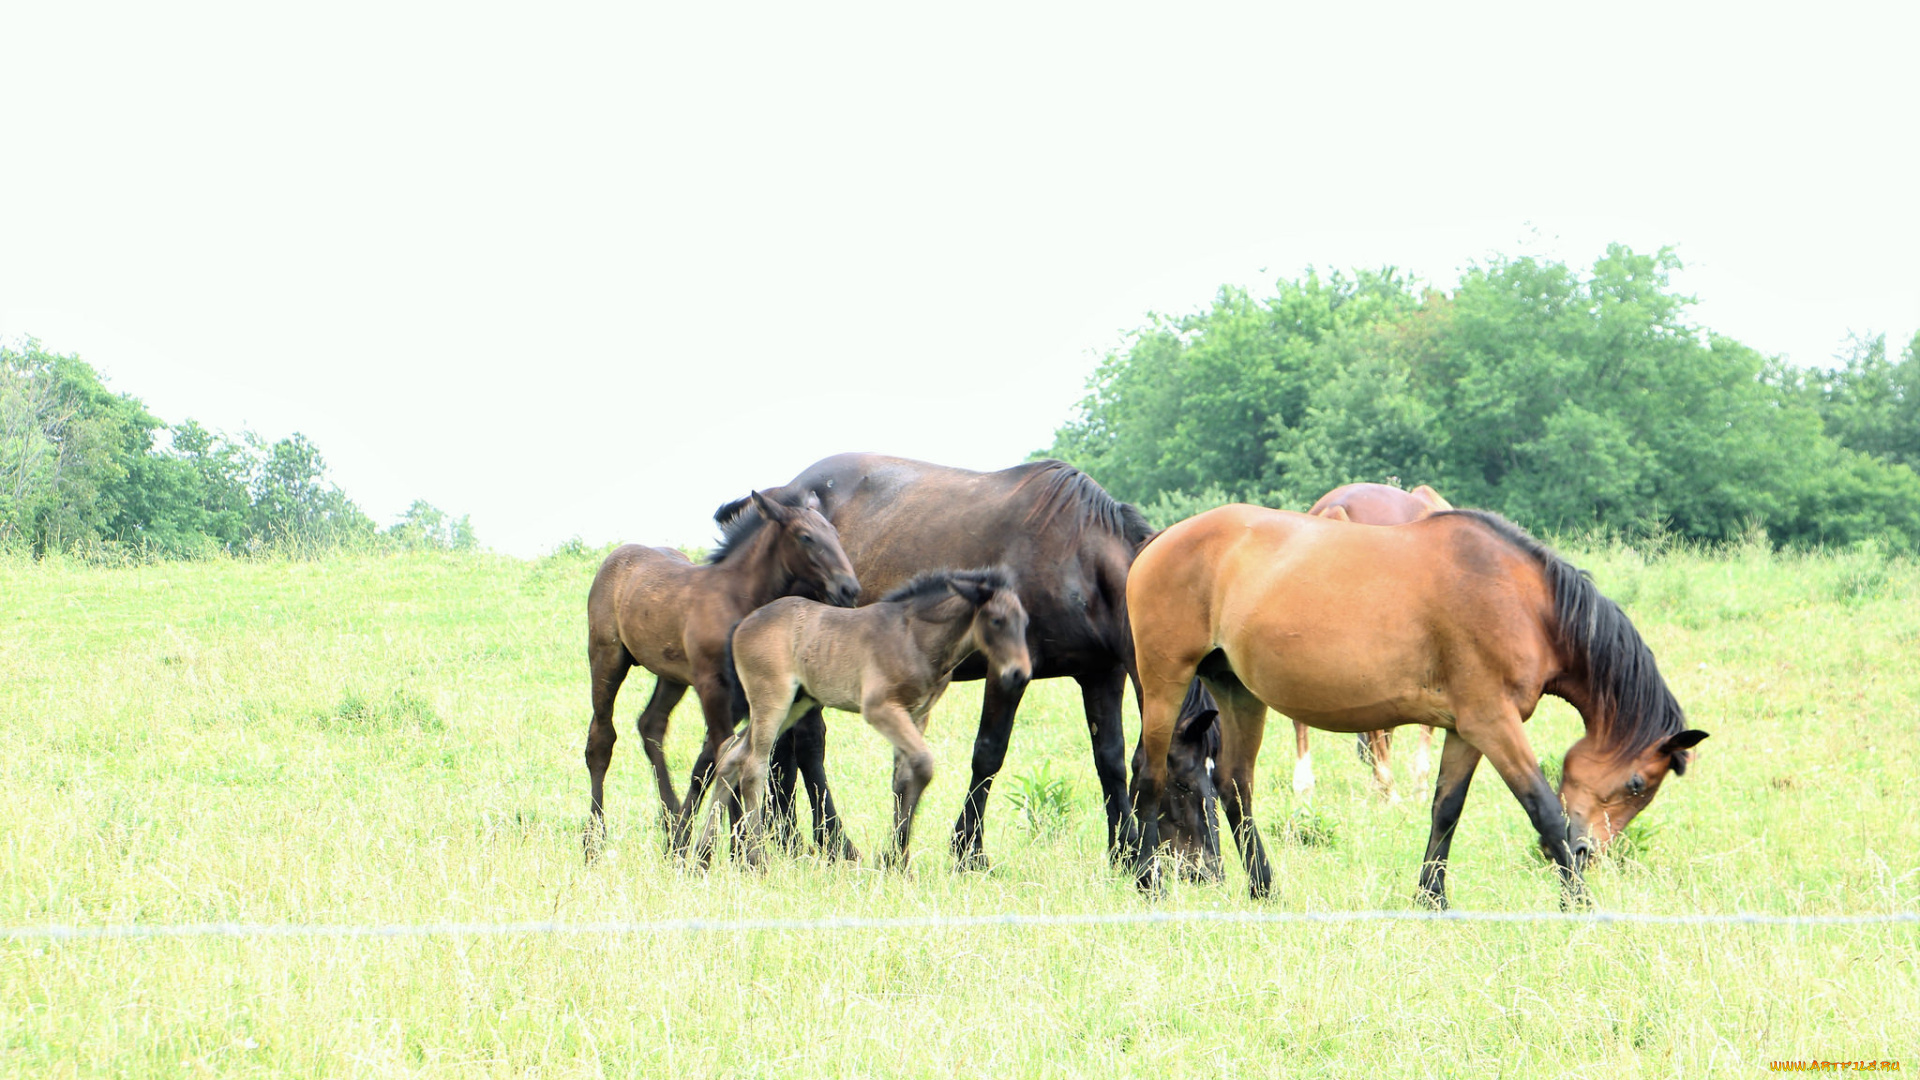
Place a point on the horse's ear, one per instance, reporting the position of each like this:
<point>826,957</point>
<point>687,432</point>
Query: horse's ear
<point>1195,729</point>
<point>1678,747</point>
<point>1431,498</point>
<point>1336,513</point>
<point>973,591</point>
<point>770,510</point>
<point>813,502</point>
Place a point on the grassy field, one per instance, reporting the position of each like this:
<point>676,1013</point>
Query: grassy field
<point>398,740</point>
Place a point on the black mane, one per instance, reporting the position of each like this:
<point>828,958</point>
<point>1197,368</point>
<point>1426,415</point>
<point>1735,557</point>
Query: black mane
<point>933,584</point>
<point>740,519</point>
<point>1633,708</point>
<point>1067,490</point>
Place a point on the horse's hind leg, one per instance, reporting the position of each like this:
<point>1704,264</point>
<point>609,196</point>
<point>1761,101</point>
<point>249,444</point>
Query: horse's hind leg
<point>1302,760</point>
<point>1243,719</point>
<point>1423,755</point>
<point>997,708</point>
<point>607,665</point>
<point>1376,750</point>
<point>652,725</point>
<point>1457,760</point>
<point>810,753</point>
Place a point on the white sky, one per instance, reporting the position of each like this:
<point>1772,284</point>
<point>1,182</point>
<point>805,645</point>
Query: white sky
<point>594,270</point>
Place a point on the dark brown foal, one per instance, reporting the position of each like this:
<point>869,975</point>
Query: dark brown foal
<point>652,607</point>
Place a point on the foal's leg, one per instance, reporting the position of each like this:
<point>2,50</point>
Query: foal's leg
<point>1457,760</point>
<point>1101,693</point>
<point>653,735</point>
<point>716,704</point>
<point>1243,720</point>
<point>607,666</point>
<point>912,771</point>
<point>997,707</point>
<point>1302,761</point>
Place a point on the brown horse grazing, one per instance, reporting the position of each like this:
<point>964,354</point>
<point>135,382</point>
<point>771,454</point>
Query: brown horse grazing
<point>1371,504</point>
<point>1461,621</point>
<point>654,608</point>
<point>889,661</point>
<point>1067,542</point>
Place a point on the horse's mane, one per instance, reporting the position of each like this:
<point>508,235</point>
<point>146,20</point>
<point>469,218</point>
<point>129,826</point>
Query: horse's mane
<point>933,584</point>
<point>1066,490</point>
<point>1632,705</point>
<point>740,520</point>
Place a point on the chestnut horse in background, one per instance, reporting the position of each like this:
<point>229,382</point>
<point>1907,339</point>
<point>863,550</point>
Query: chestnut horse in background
<point>1372,504</point>
<point>1461,621</point>
<point>653,607</point>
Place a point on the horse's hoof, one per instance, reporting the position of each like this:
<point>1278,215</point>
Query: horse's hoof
<point>972,862</point>
<point>1430,901</point>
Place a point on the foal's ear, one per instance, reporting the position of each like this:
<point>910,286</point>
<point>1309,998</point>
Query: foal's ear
<point>813,502</point>
<point>1678,747</point>
<point>771,510</point>
<point>973,592</point>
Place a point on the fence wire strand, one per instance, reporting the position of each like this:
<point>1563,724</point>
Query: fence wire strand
<point>926,922</point>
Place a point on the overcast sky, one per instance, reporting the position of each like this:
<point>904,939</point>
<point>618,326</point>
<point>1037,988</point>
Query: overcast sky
<point>593,270</point>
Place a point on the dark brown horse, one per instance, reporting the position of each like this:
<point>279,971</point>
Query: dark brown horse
<point>1069,545</point>
<point>1371,504</point>
<point>889,662</point>
<point>1462,621</point>
<point>652,607</point>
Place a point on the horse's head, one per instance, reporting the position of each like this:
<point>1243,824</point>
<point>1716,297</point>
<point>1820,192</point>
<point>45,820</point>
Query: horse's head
<point>1601,794</point>
<point>999,623</point>
<point>808,549</point>
<point>1187,819</point>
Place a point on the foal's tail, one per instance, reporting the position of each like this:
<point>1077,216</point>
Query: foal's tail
<point>737,708</point>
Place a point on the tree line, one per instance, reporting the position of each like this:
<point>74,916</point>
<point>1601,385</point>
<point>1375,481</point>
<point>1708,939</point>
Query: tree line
<point>1569,400</point>
<point>84,468</point>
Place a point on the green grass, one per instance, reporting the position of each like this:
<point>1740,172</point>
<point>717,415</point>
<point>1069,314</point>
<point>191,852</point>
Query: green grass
<point>398,739</point>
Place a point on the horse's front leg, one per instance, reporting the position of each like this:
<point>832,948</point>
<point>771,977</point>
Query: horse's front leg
<point>997,708</point>
<point>1458,757</point>
<point>809,740</point>
<point>1505,744</point>
<point>1102,693</point>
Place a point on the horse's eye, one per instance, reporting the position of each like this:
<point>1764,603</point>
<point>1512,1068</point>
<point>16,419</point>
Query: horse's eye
<point>998,623</point>
<point>806,539</point>
<point>1636,787</point>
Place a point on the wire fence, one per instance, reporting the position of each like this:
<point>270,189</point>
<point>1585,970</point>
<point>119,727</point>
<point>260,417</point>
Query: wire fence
<point>928,922</point>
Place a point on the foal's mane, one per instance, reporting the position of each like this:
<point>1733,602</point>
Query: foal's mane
<point>1633,708</point>
<point>931,586</point>
<point>1065,490</point>
<point>740,520</point>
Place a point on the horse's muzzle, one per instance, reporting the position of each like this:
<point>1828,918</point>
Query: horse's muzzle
<point>1014,678</point>
<point>845,592</point>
